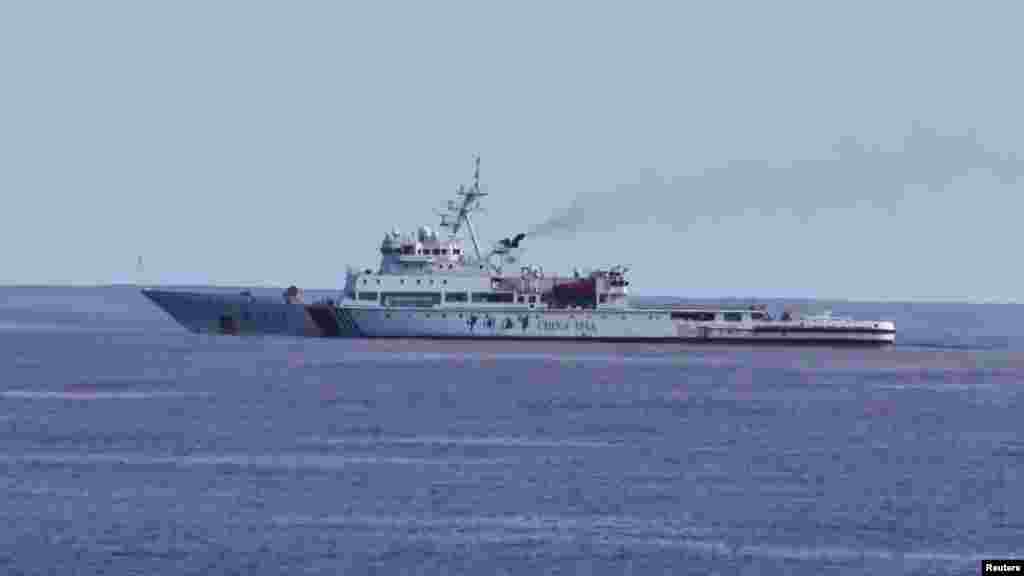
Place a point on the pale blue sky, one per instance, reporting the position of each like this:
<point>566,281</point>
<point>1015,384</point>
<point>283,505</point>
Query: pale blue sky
<point>274,143</point>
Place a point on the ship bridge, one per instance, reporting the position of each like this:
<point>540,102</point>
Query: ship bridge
<point>422,253</point>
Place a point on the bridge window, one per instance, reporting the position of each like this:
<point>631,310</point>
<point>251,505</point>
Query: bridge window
<point>368,296</point>
<point>694,316</point>
<point>455,297</point>
<point>759,316</point>
<point>494,297</point>
<point>411,299</point>
<point>733,316</point>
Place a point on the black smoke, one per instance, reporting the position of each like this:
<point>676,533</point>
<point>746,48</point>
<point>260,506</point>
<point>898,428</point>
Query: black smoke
<point>852,172</point>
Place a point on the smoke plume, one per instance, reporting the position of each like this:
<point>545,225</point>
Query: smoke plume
<point>852,173</point>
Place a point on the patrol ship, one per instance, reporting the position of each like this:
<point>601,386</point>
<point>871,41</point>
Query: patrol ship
<point>434,285</point>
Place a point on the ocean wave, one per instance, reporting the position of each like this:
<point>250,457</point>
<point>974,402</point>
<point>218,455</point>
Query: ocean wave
<point>264,461</point>
<point>83,395</point>
<point>972,346</point>
<point>669,357</point>
<point>41,327</point>
<point>488,441</point>
<point>517,522</point>
<point>617,531</point>
<point>939,387</point>
<point>70,327</point>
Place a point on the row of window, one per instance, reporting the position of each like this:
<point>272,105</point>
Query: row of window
<point>700,316</point>
<point>462,297</point>
<point>571,316</point>
<point>415,299</point>
<point>419,299</point>
<point>410,251</point>
<point>694,316</point>
<point>484,297</point>
<point>419,281</point>
<point>494,297</point>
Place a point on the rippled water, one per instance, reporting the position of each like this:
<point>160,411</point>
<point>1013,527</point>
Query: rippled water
<point>131,446</point>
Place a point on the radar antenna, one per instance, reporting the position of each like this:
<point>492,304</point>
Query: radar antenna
<point>476,173</point>
<point>459,211</point>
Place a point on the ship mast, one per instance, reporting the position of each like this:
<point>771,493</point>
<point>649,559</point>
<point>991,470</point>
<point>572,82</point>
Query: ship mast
<point>470,202</point>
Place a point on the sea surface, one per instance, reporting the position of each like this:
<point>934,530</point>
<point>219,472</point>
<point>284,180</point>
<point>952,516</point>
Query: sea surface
<point>130,446</point>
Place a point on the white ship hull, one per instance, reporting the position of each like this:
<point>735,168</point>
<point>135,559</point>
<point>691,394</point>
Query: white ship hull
<point>241,315</point>
<point>627,325</point>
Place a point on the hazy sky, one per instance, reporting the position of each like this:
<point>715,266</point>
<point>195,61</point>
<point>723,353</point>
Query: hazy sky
<point>860,150</point>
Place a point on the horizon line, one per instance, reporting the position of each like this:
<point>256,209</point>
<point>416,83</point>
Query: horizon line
<point>852,300</point>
